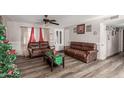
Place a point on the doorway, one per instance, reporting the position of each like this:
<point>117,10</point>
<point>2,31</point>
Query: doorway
<point>59,39</point>
<point>112,41</point>
<point>123,40</point>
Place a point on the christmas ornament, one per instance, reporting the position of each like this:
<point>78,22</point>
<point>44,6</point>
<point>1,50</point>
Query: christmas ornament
<point>14,66</point>
<point>11,52</point>
<point>2,37</point>
<point>6,41</point>
<point>13,57</point>
<point>4,34</point>
<point>10,72</point>
<point>55,52</point>
<point>9,47</point>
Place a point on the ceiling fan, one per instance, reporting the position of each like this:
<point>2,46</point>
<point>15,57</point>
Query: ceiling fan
<point>47,20</point>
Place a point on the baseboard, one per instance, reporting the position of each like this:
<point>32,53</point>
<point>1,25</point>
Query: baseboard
<point>113,55</point>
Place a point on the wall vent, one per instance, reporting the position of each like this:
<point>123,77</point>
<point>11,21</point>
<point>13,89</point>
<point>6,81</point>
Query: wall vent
<point>112,17</point>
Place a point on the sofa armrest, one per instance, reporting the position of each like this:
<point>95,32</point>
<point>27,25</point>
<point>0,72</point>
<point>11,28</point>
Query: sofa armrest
<point>30,50</point>
<point>92,51</point>
<point>91,55</point>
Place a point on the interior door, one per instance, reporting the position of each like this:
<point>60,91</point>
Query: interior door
<point>59,39</point>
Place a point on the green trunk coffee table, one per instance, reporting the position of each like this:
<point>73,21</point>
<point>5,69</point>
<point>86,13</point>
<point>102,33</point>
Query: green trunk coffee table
<point>54,60</point>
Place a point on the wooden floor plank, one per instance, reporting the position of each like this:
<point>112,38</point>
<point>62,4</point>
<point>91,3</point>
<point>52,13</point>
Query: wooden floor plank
<point>44,69</point>
<point>36,68</point>
<point>92,68</point>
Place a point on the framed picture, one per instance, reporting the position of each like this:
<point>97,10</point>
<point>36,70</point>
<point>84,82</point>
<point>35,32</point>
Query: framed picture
<point>81,29</point>
<point>88,28</point>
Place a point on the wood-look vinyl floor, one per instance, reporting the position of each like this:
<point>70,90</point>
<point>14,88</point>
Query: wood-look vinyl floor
<point>112,67</point>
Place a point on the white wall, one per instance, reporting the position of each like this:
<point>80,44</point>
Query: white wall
<point>88,36</point>
<point>14,33</point>
<point>66,37</point>
<point>102,42</point>
<point>4,21</point>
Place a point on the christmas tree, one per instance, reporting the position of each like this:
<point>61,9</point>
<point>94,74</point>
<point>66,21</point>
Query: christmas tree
<point>7,57</point>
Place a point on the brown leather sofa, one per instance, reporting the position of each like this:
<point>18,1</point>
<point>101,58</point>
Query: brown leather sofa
<point>83,51</point>
<point>38,48</point>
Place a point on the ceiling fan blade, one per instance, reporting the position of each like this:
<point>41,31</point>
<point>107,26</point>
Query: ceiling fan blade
<point>46,16</point>
<point>46,20</point>
<point>53,20</point>
<point>54,23</point>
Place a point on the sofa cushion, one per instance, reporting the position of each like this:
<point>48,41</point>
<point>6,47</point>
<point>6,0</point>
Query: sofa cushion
<point>80,53</point>
<point>47,49</point>
<point>76,52</point>
<point>34,46</point>
<point>44,44</point>
<point>70,50</point>
<point>76,47</point>
<point>37,51</point>
<point>84,48</point>
<point>76,43</point>
<point>89,46</point>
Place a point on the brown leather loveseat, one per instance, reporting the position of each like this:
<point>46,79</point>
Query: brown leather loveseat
<point>83,51</point>
<point>38,48</point>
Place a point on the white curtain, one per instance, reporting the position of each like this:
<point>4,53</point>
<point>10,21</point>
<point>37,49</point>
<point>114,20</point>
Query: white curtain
<point>44,33</point>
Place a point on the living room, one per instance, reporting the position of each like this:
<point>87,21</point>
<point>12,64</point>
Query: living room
<point>93,39</point>
<point>61,46</point>
<point>69,30</point>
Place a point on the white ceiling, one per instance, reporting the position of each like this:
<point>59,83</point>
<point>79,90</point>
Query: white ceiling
<point>116,22</point>
<point>63,20</point>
